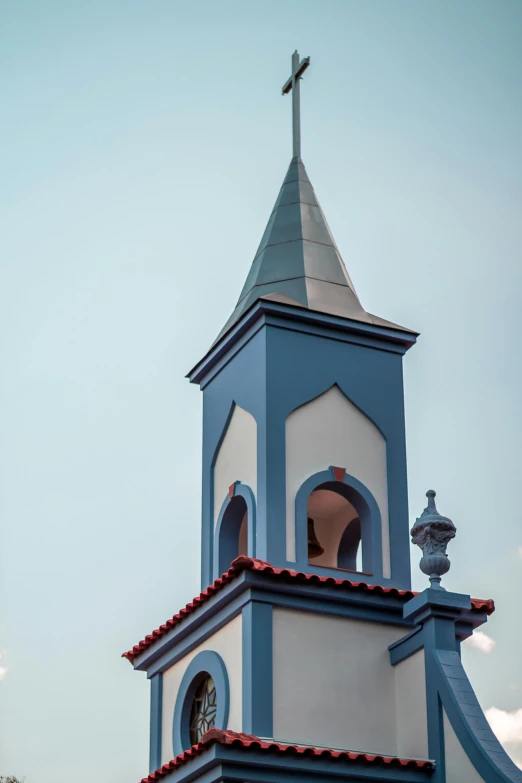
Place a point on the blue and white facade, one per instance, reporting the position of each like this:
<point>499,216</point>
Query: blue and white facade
<point>290,393</point>
<point>303,412</point>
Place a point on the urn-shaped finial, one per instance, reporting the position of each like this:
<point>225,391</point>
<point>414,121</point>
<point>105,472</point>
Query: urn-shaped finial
<point>432,533</point>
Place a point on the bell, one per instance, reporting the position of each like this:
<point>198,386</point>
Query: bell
<point>314,547</point>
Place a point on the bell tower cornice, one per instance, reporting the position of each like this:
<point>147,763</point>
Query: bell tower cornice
<point>270,311</point>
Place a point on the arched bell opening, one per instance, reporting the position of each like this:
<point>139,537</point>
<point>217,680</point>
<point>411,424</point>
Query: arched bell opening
<point>235,528</point>
<point>334,529</point>
<point>232,533</point>
<point>338,528</point>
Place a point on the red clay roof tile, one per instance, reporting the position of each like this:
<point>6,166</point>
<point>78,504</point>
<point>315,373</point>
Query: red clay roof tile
<point>244,563</point>
<point>250,741</point>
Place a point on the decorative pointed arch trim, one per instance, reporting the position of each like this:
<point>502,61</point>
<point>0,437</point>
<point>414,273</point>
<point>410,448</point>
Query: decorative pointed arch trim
<point>339,386</point>
<point>469,722</point>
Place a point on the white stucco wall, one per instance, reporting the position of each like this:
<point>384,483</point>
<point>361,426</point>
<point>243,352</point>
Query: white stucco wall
<point>330,430</point>
<point>410,696</point>
<point>227,642</point>
<point>237,457</point>
<point>333,682</point>
<point>459,768</point>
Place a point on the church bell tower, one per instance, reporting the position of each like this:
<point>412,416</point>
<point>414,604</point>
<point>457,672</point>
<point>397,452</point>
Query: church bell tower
<point>306,655</point>
<point>303,408</point>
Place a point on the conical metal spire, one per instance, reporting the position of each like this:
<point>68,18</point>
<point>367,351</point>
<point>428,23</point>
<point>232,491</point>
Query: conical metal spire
<point>297,261</point>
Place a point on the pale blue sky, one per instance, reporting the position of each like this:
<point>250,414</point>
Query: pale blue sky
<point>142,147</point>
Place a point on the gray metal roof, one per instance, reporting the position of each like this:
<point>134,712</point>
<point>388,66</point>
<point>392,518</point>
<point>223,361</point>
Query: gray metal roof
<point>297,261</point>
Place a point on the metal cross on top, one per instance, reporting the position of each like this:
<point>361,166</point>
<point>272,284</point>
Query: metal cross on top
<point>298,68</point>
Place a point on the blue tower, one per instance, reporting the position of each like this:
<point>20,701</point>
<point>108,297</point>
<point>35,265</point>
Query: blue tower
<point>306,655</point>
<point>303,412</point>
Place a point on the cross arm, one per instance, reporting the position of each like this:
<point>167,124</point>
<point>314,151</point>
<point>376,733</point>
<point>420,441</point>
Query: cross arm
<point>305,62</point>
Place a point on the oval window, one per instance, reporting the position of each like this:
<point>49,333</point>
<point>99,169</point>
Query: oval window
<point>203,711</point>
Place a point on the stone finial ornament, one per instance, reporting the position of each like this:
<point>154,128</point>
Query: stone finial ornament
<point>432,533</point>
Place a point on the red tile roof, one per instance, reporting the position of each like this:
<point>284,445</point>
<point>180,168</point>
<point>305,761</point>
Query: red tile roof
<point>243,563</point>
<point>483,605</point>
<point>241,740</point>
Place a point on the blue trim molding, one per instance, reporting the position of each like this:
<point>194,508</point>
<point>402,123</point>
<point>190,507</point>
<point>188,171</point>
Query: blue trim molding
<point>258,669</point>
<point>469,722</point>
<point>249,586</point>
<point>229,601</point>
<point>438,614</point>
<point>227,763</point>
<point>267,373</point>
<point>289,317</point>
<point>240,499</point>
<point>370,520</point>
<point>206,662</point>
<point>407,646</point>
<point>156,717</point>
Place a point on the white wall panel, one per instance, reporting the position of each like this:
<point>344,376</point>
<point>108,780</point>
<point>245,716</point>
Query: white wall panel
<point>237,457</point>
<point>410,694</point>
<point>459,768</point>
<point>330,430</point>
<point>333,682</point>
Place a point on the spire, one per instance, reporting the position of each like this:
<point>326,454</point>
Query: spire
<point>297,261</point>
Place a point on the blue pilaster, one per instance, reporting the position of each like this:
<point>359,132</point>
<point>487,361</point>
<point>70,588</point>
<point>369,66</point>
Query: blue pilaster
<point>436,610</point>
<point>437,614</point>
<point>156,709</point>
<point>257,669</point>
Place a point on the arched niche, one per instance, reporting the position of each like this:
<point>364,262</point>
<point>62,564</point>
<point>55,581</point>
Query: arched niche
<point>347,524</point>
<point>235,528</point>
